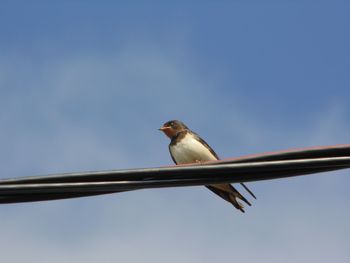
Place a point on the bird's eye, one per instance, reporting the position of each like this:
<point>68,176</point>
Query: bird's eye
<point>171,124</point>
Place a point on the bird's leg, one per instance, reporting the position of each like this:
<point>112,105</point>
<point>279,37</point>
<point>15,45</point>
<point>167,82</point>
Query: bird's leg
<point>199,162</point>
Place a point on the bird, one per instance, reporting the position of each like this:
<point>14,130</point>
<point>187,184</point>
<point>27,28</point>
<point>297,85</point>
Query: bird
<point>188,147</point>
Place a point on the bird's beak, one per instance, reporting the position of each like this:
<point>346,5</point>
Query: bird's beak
<point>167,131</point>
<point>163,128</point>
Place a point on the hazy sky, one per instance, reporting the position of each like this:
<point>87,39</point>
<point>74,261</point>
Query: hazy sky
<point>85,86</point>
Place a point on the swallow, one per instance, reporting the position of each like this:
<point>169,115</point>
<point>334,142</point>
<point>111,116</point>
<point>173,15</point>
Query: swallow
<point>188,147</point>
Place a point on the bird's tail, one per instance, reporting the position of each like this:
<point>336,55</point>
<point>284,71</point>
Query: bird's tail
<point>230,194</point>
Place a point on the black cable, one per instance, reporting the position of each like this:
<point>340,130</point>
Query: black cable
<point>244,169</point>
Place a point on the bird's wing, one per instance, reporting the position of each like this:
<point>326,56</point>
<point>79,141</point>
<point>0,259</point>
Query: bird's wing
<point>196,136</point>
<point>217,157</point>
<point>248,190</point>
<point>172,157</point>
<point>225,191</point>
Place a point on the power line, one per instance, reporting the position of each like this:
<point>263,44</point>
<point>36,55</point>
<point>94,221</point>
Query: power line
<point>244,169</point>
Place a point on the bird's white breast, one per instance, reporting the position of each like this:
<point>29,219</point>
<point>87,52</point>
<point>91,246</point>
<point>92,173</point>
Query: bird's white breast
<point>190,150</point>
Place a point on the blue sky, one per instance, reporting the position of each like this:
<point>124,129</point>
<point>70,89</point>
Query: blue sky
<point>84,86</point>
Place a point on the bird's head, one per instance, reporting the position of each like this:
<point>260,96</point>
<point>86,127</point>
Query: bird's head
<point>172,128</point>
